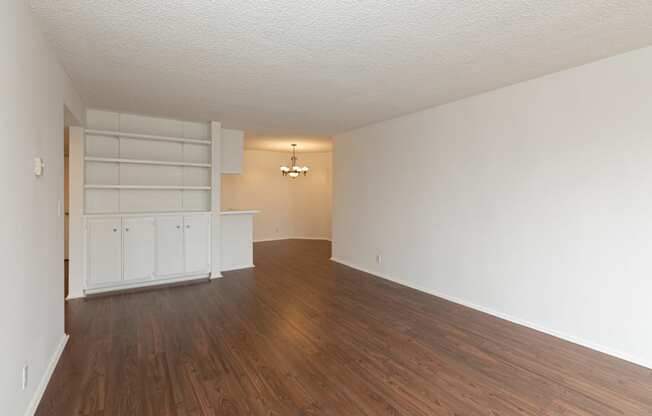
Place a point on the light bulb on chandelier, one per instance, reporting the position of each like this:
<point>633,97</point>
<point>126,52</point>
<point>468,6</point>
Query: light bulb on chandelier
<point>294,171</point>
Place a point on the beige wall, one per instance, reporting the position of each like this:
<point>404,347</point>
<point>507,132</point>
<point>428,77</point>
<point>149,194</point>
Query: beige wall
<point>291,208</point>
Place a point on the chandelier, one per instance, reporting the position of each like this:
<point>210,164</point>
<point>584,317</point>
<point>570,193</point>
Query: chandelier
<point>294,170</point>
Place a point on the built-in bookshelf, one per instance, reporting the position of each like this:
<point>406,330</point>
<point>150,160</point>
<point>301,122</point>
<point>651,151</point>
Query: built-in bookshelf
<point>135,164</point>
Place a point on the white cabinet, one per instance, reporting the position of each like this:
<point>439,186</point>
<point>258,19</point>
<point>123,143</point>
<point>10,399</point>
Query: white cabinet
<point>182,245</point>
<point>231,151</point>
<point>169,245</point>
<point>138,248</point>
<point>104,251</point>
<point>129,251</point>
<point>196,247</point>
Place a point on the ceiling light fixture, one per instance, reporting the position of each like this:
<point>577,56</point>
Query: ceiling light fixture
<point>294,171</point>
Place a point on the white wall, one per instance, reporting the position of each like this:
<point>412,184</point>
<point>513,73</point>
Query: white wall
<point>34,91</point>
<point>531,202</point>
<point>291,208</point>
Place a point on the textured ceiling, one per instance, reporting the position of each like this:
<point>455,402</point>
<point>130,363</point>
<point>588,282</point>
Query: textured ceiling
<point>321,67</point>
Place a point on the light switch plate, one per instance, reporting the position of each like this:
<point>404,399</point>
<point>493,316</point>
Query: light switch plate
<point>25,377</point>
<point>38,166</point>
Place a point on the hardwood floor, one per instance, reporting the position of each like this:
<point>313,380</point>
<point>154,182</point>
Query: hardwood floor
<point>300,335</point>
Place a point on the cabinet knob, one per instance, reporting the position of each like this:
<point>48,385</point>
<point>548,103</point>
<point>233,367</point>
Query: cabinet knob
<point>115,230</point>
<point>127,229</point>
<point>178,226</point>
<point>187,226</point>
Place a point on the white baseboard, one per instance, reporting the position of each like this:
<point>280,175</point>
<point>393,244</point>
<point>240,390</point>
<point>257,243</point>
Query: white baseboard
<point>558,334</point>
<point>42,385</point>
<point>75,295</point>
<point>291,238</point>
<point>264,240</point>
<point>230,269</point>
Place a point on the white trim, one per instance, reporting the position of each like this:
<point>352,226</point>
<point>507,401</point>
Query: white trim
<point>163,187</point>
<point>230,269</point>
<point>291,238</point>
<point>271,239</point>
<point>77,295</point>
<point>250,212</point>
<point>76,200</point>
<point>49,370</point>
<point>216,186</point>
<point>92,132</point>
<point>146,214</point>
<point>566,337</point>
<point>144,162</point>
<point>214,276</point>
<point>146,283</point>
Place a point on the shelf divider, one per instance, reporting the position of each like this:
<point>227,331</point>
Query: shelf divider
<point>146,136</point>
<point>160,187</point>
<point>145,162</point>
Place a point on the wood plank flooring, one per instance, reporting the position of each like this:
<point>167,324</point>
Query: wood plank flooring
<point>300,335</point>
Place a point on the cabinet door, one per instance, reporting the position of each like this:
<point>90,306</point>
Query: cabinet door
<point>169,245</point>
<point>196,233</point>
<point>104,251</point>
<point>138,255</point>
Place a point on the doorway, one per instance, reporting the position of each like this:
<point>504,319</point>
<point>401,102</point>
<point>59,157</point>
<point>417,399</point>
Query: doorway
<point>71,257</point>
<point>66,211</point>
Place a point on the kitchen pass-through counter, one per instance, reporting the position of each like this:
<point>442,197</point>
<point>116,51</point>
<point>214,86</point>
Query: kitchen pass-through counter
<point>237,239</point>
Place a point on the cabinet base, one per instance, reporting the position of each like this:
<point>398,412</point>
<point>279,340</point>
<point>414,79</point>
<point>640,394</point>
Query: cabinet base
<point>145,284</point>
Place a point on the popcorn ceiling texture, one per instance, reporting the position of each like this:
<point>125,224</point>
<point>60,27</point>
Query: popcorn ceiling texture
<point>323,67</point>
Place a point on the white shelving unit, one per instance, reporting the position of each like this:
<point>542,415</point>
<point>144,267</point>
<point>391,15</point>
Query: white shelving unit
<point>141,165</point>
<point>147,215</point>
